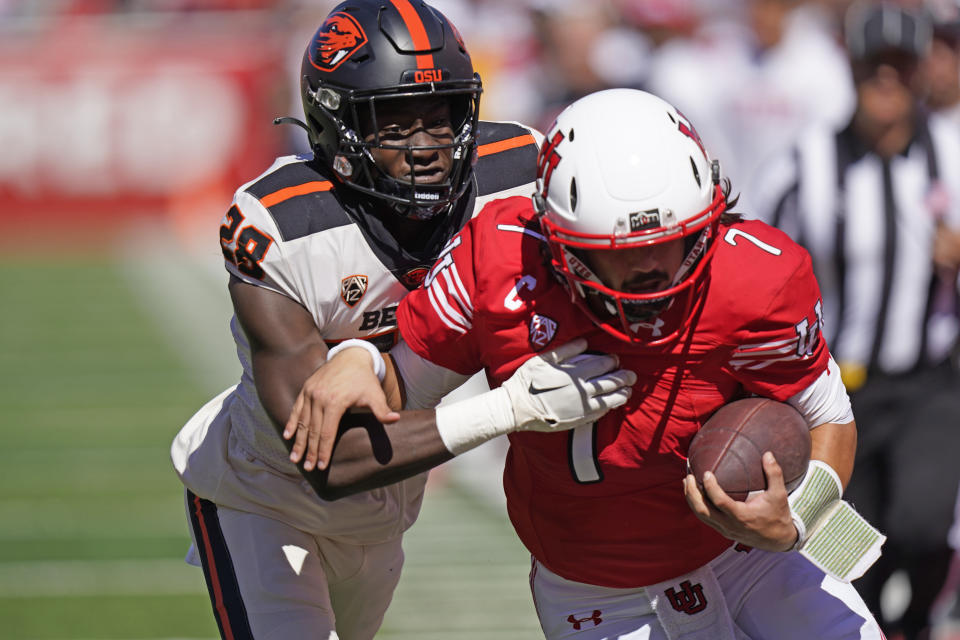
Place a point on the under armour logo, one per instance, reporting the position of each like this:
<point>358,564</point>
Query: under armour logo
<point>576,622</point>
<point>653,327</point>
<point>689,599</point>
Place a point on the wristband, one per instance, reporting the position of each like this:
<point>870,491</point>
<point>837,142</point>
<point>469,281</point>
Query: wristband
<point>831,534</point>
<point>818,492</point>
<point>379,367</point>
<point>465,424</point>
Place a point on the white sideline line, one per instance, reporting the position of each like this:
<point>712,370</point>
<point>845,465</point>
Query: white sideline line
<point>46,579</point>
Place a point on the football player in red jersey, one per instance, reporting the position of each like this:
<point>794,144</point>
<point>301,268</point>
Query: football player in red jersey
<point>628,244</point>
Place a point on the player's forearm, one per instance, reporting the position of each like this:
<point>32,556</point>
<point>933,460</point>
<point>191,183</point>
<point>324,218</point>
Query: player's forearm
<point>836,445</point>
<point>369,454</point>
<point>553,391</point>
<point>285,345</point>
<point>279,379</point>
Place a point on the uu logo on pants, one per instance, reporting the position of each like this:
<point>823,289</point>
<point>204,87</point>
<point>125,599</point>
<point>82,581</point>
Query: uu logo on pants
<point>689,599</point>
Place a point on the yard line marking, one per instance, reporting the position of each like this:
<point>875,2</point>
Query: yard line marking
<point>48,579</point>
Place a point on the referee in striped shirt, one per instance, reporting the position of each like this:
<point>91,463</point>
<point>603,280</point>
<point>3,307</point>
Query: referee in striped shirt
<point>877,205</point>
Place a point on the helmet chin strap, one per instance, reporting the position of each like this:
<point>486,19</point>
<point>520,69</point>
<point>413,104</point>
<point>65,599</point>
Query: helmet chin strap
<point>692,256</point>
<point>579,267</point>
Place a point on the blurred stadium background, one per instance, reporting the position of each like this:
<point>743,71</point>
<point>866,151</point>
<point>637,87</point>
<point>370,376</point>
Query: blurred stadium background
<point>125,126</point>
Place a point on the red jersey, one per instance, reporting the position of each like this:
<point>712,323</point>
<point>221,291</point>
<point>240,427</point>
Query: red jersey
<point>603,504</point>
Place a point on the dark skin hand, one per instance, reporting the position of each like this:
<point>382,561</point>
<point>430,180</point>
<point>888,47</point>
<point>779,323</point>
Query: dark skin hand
<point>332,396</point>
<point>763,520</point>
<point>286,348</point>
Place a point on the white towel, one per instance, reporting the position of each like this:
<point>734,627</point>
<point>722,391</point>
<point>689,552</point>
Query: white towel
<point>692,607</point>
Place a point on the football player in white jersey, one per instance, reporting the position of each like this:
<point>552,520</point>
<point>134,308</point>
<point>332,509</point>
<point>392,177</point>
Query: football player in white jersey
<point>320,249</point>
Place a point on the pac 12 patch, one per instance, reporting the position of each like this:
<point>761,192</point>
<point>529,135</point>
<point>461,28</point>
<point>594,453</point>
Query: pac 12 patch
<point>352,289</point>
<point>542,330</point>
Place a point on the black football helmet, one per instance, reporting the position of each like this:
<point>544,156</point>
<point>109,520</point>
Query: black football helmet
<point>369,51</point>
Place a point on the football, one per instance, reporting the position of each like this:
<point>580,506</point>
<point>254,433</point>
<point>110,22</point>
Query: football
<point>731,443</point>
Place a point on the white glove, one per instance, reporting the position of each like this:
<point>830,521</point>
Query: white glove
<point>554,391</point>
<point>563,388</point>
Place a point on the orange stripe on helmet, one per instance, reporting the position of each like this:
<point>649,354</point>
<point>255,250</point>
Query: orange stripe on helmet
<point>505,145</point>
<point>291,192</point>
<point>418,33</point>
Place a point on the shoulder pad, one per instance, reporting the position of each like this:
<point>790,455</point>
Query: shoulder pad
<point>507,156</point>
<point>300,199</point>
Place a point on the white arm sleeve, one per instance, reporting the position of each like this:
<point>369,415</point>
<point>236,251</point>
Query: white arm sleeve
<point>825,400</point>
<point>425,382</point>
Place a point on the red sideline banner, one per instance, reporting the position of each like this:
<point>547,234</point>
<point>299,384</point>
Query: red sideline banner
<point>103,119</point>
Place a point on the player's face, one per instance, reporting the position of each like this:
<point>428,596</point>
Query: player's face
<point>413,122</point>
<point>638,270</point>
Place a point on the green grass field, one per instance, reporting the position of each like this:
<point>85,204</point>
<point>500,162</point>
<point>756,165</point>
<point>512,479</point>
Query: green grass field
<point>92,532</point>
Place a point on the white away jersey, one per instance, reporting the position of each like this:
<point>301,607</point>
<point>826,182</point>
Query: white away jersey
<point>293,232</point>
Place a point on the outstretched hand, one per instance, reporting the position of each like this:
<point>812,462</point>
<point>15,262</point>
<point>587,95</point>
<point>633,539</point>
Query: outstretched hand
<point>346,380</point>
<point>762,521</point>
<point>565,387</point>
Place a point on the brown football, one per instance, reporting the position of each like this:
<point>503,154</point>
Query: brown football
<point>732,441</point>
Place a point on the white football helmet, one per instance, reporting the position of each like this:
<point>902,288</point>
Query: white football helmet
<point>619,169</point>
